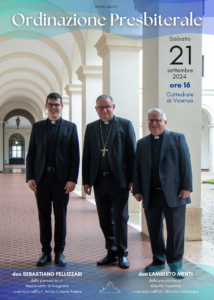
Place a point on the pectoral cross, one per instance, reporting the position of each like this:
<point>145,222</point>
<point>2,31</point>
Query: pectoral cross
<point>104,151</point>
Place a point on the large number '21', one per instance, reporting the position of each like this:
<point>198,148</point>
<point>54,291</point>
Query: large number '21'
<point>175,62</point>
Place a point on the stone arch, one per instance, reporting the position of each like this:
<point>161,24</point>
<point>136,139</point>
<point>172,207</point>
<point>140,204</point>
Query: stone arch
<point>26,90</point>
<point>46,40</point>
<point>13,104</point>
<point>65,81</point>
<point>37,58</point>
<point>52,7</point>
<point>76,62</point>
<point>25,81</point>
<point>93,35</point>
<point>28,70</point>
<point>58,88</point>
<point>21,112</point>
<point>209,112</point>
<point>91,52</point>
<point>81,44</point>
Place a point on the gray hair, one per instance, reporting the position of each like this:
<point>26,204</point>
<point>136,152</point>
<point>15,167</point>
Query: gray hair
<point>160,111</point>
<point>103,97</point>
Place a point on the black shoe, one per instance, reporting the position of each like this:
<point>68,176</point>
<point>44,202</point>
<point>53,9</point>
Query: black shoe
<point>108,259</point>
<point>177,273</point>
<point>60,260</point>
<point>123,262</point>
<point>154,267</point>
<point>44,259</point>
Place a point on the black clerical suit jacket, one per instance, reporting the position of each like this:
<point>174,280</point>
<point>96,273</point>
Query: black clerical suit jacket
<point>174,168</point>
<point>67,152</point>
<point>121,150</point>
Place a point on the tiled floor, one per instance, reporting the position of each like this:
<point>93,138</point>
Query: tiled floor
<point>19,230</point>
<point>14,169</point>
<point>20,249</point>
<point>15,166</point>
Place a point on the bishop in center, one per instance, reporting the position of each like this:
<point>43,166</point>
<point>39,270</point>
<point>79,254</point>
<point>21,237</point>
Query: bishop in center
<point>108,156</point>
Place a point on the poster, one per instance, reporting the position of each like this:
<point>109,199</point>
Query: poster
<point>43,46</point>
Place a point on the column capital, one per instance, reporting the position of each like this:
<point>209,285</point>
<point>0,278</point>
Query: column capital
<point>73,89</point>
<point>110,42</point>
<point>89,71</point>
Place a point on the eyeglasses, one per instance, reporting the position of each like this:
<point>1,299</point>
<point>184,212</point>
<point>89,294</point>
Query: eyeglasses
<point>50,105</point>
<point>101,108</point>
<point>157,121</point>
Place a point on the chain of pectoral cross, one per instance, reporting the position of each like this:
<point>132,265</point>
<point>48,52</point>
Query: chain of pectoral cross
<point>104,144</point>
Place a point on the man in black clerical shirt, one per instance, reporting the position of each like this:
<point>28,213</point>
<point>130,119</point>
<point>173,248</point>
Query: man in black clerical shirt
<point>108,157</point>
<point>163,181</point>
<point>52,171</point>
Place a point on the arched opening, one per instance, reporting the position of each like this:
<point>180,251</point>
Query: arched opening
<point>15,153</point>
<point>20,112</point>
<point>16,149</point>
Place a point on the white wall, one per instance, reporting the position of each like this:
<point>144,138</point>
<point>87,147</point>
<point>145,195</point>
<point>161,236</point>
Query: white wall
<point>205,141</point>
<point>207,100</point>
<point>208,79</point>
<point>207,51</point>
<point>65,112</point>
<point>25,132</point>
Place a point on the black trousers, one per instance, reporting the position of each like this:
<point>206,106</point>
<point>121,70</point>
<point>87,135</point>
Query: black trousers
<point>112,208</point>
<point>175,223</point>
<point>50,190</point>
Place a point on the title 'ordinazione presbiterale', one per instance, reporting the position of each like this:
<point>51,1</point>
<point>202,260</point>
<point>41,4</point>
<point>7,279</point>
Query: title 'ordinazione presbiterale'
<point>157,20</point>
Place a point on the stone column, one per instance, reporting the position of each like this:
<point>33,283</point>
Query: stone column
<point>121,81</point>
<point>121,74</point>
<point>211,147</point>
<point>74,91</point>
<point>91,78</point>
<point>65,110</point>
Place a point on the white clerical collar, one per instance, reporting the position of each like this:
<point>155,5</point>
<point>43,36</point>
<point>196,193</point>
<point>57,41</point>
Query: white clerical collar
<point>106,123</point>
<point>54,121</point>
<point>156,137</point>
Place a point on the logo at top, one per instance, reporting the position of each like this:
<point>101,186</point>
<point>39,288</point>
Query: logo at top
<point>105,6</point>
<point>110,289</point>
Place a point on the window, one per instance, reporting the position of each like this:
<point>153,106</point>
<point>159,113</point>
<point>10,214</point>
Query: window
<point>16,146</point>
<point>16,151</point>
